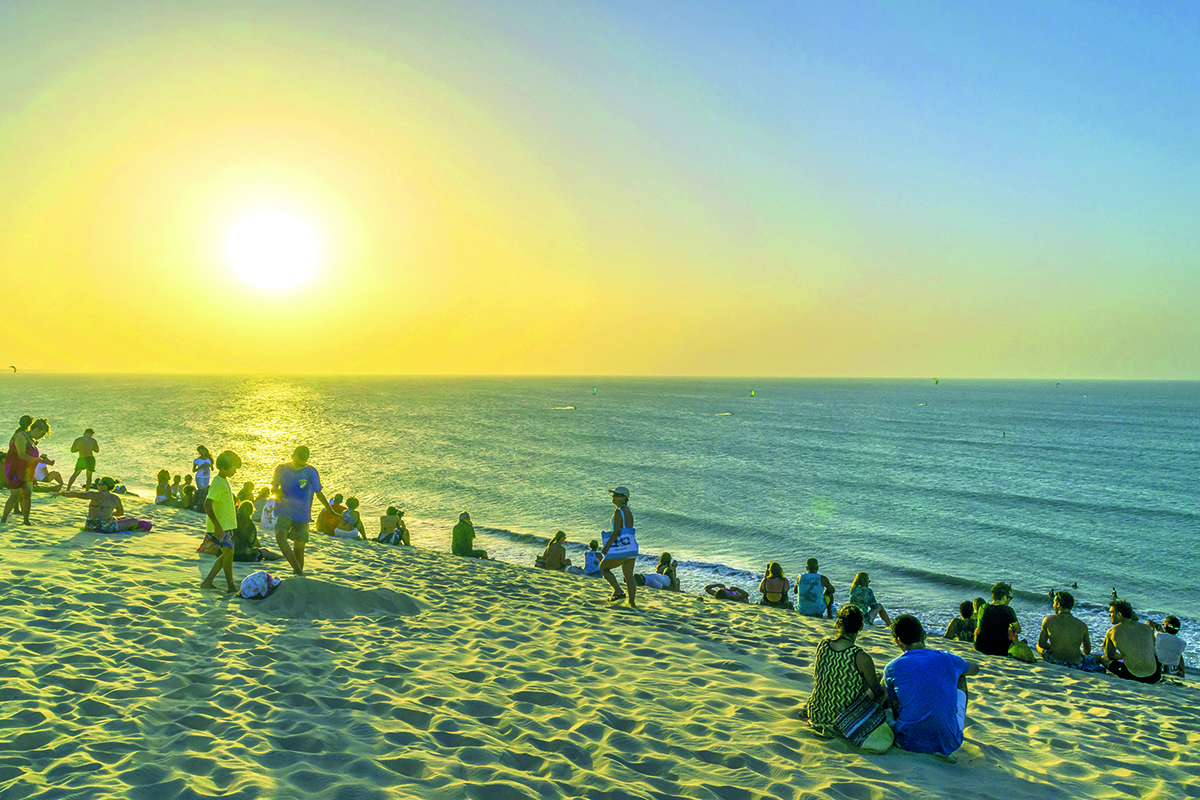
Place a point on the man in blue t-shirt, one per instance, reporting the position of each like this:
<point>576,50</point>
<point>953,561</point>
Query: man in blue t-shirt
<point>927,690</point>
<point>295,485</point>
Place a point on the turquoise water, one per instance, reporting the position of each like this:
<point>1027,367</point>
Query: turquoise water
<point>936,490</point>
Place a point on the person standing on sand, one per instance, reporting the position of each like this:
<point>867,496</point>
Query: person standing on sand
<point>1129,646</point>
<point>1065,640</point>
<point>295,484</point>
<point>621,547</point>
<point>87,447</point>
<point>462,538</point>
<point>221,510</point>
<point>19,464</point>
<point>927,690</point>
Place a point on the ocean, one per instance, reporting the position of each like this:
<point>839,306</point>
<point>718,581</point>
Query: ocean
<point>937,489</point>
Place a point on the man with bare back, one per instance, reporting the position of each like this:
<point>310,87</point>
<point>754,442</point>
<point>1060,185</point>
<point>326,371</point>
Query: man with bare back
<point>87,447</point>
<point>1129,646</point>
<point>1065,640</point>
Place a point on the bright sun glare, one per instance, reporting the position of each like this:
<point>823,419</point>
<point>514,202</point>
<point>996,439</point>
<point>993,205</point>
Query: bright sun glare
<point>273,249</point>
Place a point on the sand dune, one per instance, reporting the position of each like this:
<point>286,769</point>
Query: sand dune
<point>397,672</point>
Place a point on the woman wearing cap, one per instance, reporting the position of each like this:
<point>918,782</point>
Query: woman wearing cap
<point>621,549</point>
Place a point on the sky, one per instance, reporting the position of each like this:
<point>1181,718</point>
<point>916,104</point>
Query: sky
<point>811,189</point>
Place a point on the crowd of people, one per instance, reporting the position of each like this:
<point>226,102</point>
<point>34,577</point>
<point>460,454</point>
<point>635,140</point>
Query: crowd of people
<point>918,701</point>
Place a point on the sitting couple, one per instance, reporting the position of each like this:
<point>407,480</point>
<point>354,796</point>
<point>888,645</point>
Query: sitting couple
<point>925,690</point>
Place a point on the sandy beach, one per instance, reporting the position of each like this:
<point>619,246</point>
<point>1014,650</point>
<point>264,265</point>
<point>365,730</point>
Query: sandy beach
<point>407,672</point>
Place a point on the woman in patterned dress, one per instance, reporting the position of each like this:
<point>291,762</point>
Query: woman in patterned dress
<point>841,672</point>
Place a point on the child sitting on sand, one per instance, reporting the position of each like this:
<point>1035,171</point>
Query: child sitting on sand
<point>862,596</point>
<point>187,495</point>
<point>962,627</point>
<point>350,525</point>
<point>592,559</point>
<point>176,493</point>
<point>162,491</point>
<point>245,538</point>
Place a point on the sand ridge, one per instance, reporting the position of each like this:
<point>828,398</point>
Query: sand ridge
<point>404,672</point>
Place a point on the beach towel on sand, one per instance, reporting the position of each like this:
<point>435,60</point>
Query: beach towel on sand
<point>258,585</point>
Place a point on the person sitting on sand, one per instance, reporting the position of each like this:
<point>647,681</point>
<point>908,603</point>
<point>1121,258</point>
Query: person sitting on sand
<point>245,493</point>
<point>1065,640</point>
<point>87,447</point>
<point>814,592</point>
<point>620,548</point>
<point>176,494</point>
<point>295,485</point>
<point>962,627</point>
<point>774,587</point>
<point>667,568</point>
<point>1168,647</point>
<point>328,519</point>
<point>927,690</point>
<point>189,495</point>
<point>105,513</point>
<point>43,474</point>
<point>842,671</point>
<point>723,592</point>
<point>462,538</point>
<point>555,555</point>
<point>392,529</point>
<point>592,559</point>
<point>260,501</point>
<point>222,518</point>
<point>861,595</point>
<point>997,623</point>
<point>245,539</point>
<point>1129,646</point>
<point>162,490</point>
<point>350,526</point>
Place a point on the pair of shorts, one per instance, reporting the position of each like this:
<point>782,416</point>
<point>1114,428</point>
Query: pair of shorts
<point>97,525</point>
<point>289,528</point>
<point>1089,663</point>
<point>1119,669</point>
<point>249,555</point>
<point>85,464</point>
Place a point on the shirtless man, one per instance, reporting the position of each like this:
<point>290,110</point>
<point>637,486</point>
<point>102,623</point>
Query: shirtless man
<point>1129,646</point>
<point>105,513</point>
<point>1065,639</point>
<point>87,447</point>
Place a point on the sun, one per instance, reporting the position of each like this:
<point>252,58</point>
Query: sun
<point>272,248</point>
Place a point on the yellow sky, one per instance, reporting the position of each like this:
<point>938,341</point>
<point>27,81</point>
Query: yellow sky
<point>484,206</point>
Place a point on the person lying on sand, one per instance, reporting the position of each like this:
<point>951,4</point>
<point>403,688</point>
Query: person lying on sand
<point>222,518</point>
<point>350,524</point>
<point>723,592</point>
<point>105,513</point>
<point>1065,640</point>
<point>927,690</point>
<point>962,627</point>
<point>1129,646</point>
<point>392,529</point>
<point>462,538</point>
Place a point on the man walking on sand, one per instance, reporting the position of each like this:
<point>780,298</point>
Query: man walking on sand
<point>87,447</point>
<point>295,484</point>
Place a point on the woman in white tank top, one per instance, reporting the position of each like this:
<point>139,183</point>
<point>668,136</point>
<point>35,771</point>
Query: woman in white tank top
<point>621,548</point>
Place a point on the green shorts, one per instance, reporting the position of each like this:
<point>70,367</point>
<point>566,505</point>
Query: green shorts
<point>296,531</point>
<point>86,464</point>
